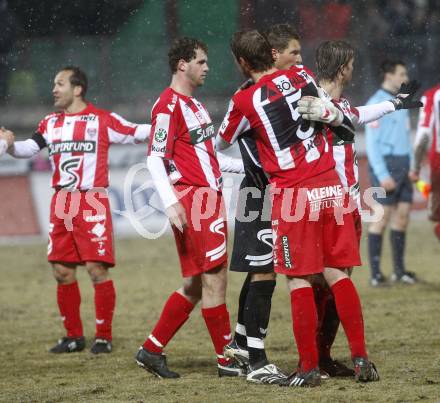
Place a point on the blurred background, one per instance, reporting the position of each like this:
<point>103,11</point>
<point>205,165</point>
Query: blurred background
<point>122,46</point>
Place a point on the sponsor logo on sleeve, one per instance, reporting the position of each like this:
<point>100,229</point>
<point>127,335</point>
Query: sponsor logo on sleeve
<point>161,133</point>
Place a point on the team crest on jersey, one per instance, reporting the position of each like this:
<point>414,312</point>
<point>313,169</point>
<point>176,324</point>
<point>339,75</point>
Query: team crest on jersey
<point>200,117</point>
<point>160,135</point>
<point>57,133</point>
<point>92,131</point>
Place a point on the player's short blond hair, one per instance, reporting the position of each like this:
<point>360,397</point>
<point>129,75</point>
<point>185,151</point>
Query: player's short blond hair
<point>254,48</point>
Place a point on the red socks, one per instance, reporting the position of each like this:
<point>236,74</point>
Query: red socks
<point>105,299</point>
<point>349,310</point>
<point>69,300</point>
<point>305,323</point>
<point>219,327</point>
<point>174,314</point>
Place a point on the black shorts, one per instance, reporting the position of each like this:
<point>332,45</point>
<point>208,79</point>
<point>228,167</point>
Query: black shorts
<point>398,167</point>
<point>253,238</point>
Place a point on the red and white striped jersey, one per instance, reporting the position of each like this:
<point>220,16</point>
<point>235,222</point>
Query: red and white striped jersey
<point>344,153</point>
<point>78,145</point>
<point>291,149</point>
<point>183,134</point>
<point>429,123</point>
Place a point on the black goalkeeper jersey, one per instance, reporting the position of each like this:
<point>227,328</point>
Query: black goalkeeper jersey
<point>255,175</point>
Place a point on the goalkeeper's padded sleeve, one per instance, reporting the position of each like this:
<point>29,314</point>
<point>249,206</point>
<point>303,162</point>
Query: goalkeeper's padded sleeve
<point>161,182</point>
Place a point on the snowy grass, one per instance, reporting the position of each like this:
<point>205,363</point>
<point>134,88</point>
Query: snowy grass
<point>402,329</point>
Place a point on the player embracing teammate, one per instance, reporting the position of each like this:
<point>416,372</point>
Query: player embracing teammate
<point>308,198</point>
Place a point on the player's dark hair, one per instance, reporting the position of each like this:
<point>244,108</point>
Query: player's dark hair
<point>77,79</point>
<point>254,48</point>
<point>184,49</point>
<point>331,57</point>
<point>389,66</point>
<point>279,36</point>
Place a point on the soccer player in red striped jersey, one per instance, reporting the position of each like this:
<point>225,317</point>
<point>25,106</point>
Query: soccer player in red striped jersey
<point>428,135</point>
<point>334,67</point>
<point>78,138</point>
<point>298,159</point>
<point>334,63</point>
<point>186,173</point>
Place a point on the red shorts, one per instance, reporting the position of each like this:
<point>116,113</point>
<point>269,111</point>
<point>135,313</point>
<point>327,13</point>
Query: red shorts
<point>80,227</point>
<point>202,245</point>
<point>313,228</point>
<point>434,197</point>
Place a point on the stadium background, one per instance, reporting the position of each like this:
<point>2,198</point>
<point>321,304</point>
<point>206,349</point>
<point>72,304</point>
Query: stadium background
<point>123,48</point>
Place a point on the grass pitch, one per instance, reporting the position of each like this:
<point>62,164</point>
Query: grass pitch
<point>402,331</point>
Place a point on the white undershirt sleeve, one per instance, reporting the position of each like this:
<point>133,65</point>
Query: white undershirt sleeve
<point>370,113</point>
<point>161,182</point>
<point>24,149</point>
<point>221,144</point>
<point>142,133</point>
<point>230,164</point>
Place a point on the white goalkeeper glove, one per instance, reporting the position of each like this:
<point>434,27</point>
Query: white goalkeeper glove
<point>320,110</point>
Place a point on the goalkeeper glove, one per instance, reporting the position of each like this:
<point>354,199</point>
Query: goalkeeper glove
<point>320,110</point>
<point>404,99</point>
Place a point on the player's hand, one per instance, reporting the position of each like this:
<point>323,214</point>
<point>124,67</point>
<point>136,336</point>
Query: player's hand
<point>176,214</point>
<point>404,99</point>
<point>413,176</point>
<point>319,110</point>
<point>388,184</point>
<point>7,135</point>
